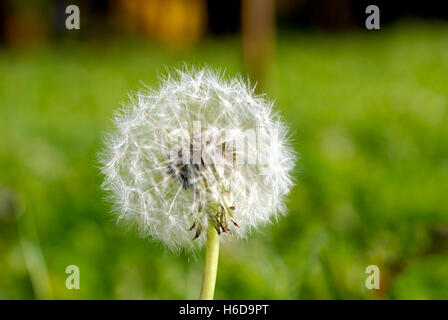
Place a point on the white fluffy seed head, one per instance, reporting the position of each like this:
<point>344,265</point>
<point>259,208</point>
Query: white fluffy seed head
<point>201,151</point>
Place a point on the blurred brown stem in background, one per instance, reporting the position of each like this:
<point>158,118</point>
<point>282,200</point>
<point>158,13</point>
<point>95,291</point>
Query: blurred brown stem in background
<point>258,29</point>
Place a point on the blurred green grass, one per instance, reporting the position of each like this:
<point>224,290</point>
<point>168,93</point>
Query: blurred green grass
<point>370,120</point>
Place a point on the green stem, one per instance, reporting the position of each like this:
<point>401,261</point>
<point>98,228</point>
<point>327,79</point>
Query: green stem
<point>210,265</point>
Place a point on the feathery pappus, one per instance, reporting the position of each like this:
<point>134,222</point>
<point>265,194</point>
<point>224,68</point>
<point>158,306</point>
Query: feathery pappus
<point>201,150</point>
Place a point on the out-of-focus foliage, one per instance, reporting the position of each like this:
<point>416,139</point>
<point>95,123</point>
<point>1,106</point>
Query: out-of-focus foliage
<point>370,119</point>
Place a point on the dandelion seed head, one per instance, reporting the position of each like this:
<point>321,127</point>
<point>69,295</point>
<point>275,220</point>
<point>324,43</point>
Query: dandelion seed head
<point>199,151</point>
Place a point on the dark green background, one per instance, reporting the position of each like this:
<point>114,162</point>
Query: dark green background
<point>370,121</point>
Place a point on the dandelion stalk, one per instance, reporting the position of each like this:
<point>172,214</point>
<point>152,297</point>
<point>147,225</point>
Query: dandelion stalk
<point>210,265</point>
